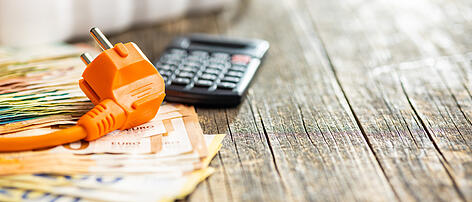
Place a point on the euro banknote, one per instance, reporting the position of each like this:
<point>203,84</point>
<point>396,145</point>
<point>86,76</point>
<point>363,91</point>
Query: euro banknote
<point>84,187</point>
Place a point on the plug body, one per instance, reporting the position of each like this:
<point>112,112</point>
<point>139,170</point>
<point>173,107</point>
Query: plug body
<point>125,87</point>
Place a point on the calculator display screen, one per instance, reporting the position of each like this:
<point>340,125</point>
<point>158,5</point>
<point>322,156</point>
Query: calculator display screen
<point>217,44</point>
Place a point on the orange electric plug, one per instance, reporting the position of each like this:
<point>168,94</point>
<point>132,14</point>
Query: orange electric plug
<point>125,87</point>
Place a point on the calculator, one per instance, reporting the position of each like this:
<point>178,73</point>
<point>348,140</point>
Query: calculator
<point>210,70</point>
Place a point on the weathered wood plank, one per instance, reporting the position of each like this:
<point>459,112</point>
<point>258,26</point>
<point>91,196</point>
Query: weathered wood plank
<point>220,190</point>
<point>436,100</point>
<point>409,117</point>
<point>318,150</point>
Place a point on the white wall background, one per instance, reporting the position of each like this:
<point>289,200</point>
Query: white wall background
<point>34,22</point>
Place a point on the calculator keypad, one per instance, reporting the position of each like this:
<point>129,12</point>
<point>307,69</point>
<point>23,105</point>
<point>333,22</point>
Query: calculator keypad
<point>202,69</point>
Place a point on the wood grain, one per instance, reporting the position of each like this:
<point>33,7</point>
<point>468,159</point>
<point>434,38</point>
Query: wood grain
<point>406,111</point>
<point>355,101</point>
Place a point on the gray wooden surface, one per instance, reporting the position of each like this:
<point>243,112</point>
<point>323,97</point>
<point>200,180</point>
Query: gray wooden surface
<point>357,101</point>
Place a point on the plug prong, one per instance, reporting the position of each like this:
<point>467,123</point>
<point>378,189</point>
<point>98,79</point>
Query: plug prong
<point>100,38</point>
<point>86,58</point>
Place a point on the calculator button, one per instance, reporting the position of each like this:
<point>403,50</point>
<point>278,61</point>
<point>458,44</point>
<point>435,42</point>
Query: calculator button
<point>223,56</point>
<point>216,61</point>
<point>240,59</point>
<point>194,58</point>
<point>231,79</point>
<point>181,81</point>
<point>238,68</point>
<point>235,73</point>
<point>226,85</point>
<point>165,60</point>
<point>171,62</point>
<point>191,63</point>
<point>186,74</point>
<point>208,76</point>
<point>216,66</point>
<point>212,71</point>
<point>165,73</point>
<point>200,53</point>
<point>189,69</point>
<point>166,67</point>
<point>204,83</point>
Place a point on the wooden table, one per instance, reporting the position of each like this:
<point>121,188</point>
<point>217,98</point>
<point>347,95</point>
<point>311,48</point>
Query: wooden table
<point>357,101</point>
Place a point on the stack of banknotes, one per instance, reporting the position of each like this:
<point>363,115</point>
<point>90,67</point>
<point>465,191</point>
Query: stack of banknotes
<point>161,160</point>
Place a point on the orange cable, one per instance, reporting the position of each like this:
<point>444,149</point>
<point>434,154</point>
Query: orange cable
<point>64,136</point>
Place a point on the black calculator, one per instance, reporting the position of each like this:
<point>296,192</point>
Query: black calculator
<point>210,70</point>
